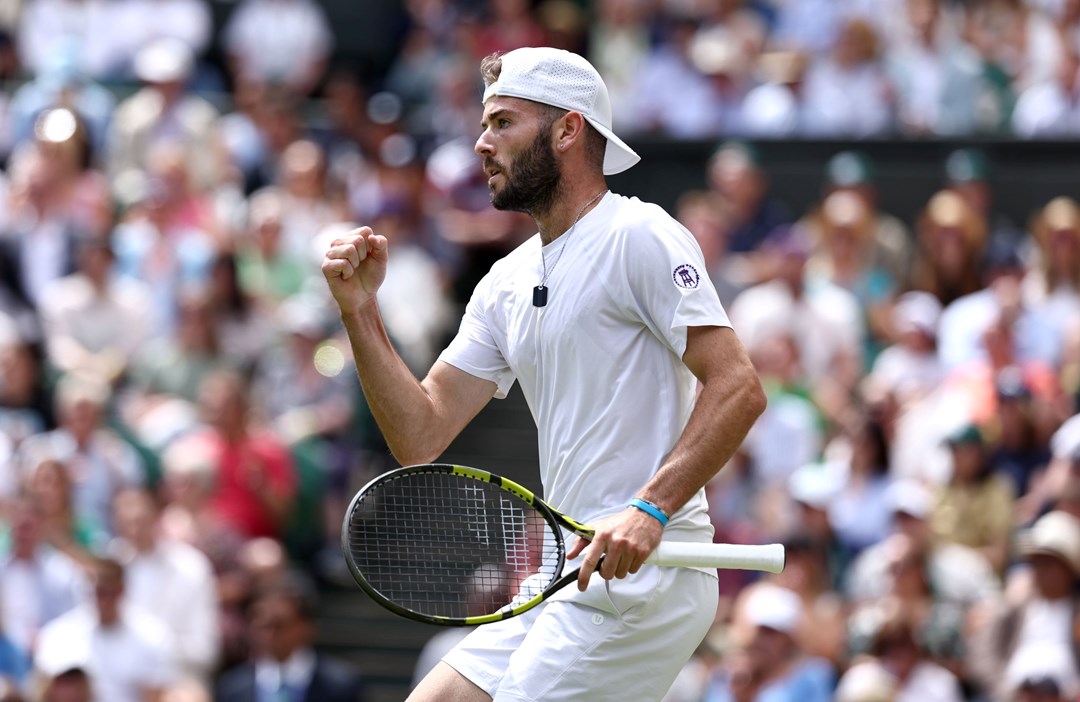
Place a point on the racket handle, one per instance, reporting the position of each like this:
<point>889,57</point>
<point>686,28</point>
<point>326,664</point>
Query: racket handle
<point>768,557</point>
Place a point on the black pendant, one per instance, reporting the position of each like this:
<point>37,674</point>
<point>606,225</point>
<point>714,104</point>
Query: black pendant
<point>539,296</point>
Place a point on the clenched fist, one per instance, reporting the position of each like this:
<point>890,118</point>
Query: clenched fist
<point>354,267</point>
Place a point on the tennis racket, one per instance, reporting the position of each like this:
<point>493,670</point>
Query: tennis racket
<point>457,546</point>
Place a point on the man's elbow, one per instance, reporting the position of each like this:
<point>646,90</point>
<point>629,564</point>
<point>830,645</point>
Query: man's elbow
<point>754,400</point>
<point>416,452</point>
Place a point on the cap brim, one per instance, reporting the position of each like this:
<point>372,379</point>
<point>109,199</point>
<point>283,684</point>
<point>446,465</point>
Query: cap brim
<point>618,156</point>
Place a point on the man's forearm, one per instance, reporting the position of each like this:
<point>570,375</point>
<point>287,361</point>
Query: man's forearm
<point>399,403</point>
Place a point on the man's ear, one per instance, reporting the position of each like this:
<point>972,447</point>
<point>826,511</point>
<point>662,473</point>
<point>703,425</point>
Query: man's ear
<point>569,129</point>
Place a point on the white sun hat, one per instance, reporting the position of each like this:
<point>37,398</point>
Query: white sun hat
<point>563,79</point>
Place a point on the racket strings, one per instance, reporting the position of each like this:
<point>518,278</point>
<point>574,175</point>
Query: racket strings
<point>451,546</point>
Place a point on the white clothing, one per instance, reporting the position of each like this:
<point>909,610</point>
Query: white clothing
<point>825,321</point>
<point>80,28</point>
<point>785,437</point>
<point>601,368</point>
<point>1048,622</point>
<point>1045,110</point>
<point>619,640</point>
<point>294,673</point>
<point>601,364</point>
<point>77,318</point>
<point>906,373</point>
<point>930,682</point>
<point>123,661</point>
<point>176,582</point>
<point>845,102</point>
<point>36,592</point>
<point>296,29</point>
<point>141,22</point>
<point>1065,442</point>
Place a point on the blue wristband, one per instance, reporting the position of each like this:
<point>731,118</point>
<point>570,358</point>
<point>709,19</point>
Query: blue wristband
<point>650,509</point>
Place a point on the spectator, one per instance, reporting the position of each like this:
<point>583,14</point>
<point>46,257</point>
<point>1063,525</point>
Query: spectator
<point>848,93</point>
<point>268,274</point>
<point>171,579</point>
<point>909,370</point>
<point>310,200</point>
<point>125,650</point>
<point>254,479</point>
<point>736,175</point>
<point>936,78</point>
<point>49,489</point>
<point>951,238</point>
<point>968,172</point>
<point>163,111</point>
<point>912,612</point>
<point>954,573</point>
<point>300,33</point>
<point>244,329</point>
<point>1042,609</point>
<point>775,107</point>
<point>671,96</point>
<point>158,245</point>
<point>40,583</point>
<point>1021,450</point>
<point>975,507</point>
<point>824,320</point>
<point>284,664</point>
<point>897,644</point>
<point>26,402</point>
<point>859,512</point>
<point>778,668</point>
<point>854,171</point>
<point>98,460</point>
<point>45,223</point>
<point>1042,673</point>
<point>790,414</point>
<point>1053,283</point>
<point>165,377</point>
<point>846,258</point>
<point>1047,109</point>
<point>618,47</point>
<point>94,320</point>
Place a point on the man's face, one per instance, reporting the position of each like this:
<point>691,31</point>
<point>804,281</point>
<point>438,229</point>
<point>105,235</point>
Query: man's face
<point>518,157</point>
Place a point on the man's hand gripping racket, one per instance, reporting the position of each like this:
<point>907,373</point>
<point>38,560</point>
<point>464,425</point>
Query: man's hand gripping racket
<point>452,545</point>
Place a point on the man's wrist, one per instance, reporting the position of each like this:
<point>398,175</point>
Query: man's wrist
<point>651,509</point>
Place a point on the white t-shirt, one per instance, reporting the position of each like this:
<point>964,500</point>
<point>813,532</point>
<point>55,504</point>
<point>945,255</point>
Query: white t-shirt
<point>600,365</point>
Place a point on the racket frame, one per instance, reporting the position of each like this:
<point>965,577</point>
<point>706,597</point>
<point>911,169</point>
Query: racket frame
<point>556,520</point>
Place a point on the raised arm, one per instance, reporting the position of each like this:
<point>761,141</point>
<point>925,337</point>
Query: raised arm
<point>418,419</point>
<point>730,401</point>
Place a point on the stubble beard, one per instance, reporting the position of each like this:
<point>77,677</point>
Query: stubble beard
<point>533,184</point>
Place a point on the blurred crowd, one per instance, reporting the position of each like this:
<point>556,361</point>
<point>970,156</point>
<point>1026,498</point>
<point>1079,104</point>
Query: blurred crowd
<point>180,424</point>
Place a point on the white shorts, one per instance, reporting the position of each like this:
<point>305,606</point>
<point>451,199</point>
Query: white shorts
<point>619,640</point>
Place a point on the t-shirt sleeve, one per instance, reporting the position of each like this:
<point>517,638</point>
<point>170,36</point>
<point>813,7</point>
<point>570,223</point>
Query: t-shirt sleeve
<point>670,289</point>
<point>474,349</point>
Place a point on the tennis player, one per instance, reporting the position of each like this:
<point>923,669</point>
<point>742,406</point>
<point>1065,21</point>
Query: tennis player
<point>608,320</point>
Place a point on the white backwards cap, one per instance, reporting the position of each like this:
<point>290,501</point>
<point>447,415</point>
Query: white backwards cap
<point>563,79</point>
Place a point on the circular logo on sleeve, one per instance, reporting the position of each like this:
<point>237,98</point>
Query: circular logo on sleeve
<point>686,277</point>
